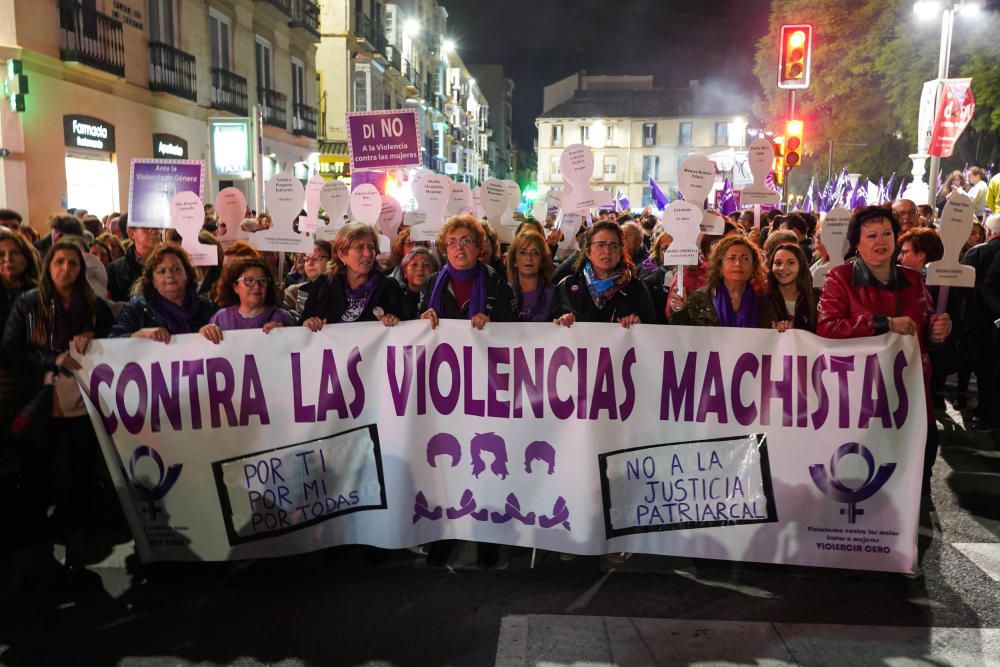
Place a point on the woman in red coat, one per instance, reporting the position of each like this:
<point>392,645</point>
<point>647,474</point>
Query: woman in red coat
<point>873,295</point>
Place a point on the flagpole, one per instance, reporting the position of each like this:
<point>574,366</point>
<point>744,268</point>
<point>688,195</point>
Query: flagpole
<point>944,58</point>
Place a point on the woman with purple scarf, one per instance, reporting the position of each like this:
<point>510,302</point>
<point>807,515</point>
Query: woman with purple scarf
<point>165,299</point>
<point>248,299</point>
<point>734,294</point>
<point>465,289</point>
<point>529,271</point>
<point>603,287</point>
<point>353,290</point>
<point>45,327</point>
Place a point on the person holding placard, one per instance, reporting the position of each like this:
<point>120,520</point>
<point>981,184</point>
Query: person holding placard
<point>465,288</point>
<point>353,290</point>
<point>658,277</point>
<point>529,272</point>
<point>733,295</point>
<point>165,299</point>
<point>417,266</point>
<point>872,296</point>
<point>603,287</point>
<point>314,265</point>
<point>790,288</point>
<point>248,299</point>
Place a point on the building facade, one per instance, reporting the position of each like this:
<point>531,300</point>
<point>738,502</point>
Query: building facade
<point>114,80</point>
<point>636,131</point>
<point>499,91</point>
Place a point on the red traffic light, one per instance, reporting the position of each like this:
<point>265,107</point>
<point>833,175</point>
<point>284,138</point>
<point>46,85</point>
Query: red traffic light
<point>793,143</point>
<point>795,56</point>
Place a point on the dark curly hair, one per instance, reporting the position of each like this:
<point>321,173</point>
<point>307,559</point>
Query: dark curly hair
<point>864,214</point>
<point>234,271</point>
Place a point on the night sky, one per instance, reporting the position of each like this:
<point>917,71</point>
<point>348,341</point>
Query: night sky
<point>542,41</point>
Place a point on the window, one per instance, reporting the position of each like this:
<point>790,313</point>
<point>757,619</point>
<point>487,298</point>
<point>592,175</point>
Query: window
<point>584,134</point>
<point>684,138</point>
<point>361,89</point>
<point>650,167</point>
<point>219,26</point>
<point>647,196</point>
<point>554,169</point>
<point>649,134</point>
<point>722,134</point>
<point>298,83</point>
<point>610,138</point>
<point>161,21</point>
<point>264,71</point>
<point>611,167</point>
<point>557,137</point>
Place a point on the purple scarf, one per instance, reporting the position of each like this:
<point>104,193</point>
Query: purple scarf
<point>358,298</point>
<point>177,318</point>
<point>539,311</point>
<point>477,302</point>
<point>70,321</point>
<point>746,318</point>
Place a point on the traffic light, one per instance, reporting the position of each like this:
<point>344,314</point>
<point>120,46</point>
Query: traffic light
<point>795,56</point>
<point>793,143</point>
<point>778,166</point>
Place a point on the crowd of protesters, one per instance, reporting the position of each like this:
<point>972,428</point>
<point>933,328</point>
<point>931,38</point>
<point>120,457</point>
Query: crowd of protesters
<point>91,278</point>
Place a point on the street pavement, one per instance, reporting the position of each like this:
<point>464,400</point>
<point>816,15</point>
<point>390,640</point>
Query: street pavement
<point>356,605</point>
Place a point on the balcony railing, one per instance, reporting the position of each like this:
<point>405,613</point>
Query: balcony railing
<point>394,57</point>
<point>365,28</point>
<point>172,71</point>
<point>274,106</point>
<point>304,121</point>
<point>90,37</point>
<point>409,73</point>
<point>229,91</point>
<point>305,14</point>
<point>283,6</point>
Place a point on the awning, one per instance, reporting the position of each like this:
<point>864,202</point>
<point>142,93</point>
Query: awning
<point>332,147</point>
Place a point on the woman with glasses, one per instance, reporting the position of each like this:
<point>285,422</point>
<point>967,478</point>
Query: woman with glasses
<point>248,299</point>
<point>604,286</point>
<point>165,301</point>
<point>465,289</point>
<point>529,272</point>
<point>417,265</point>
<point>313,266</point>
<point>352,290</point>
<point>734,292</point>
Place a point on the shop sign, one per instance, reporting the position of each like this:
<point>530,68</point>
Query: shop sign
<point>88,132</point>
<point>231,154</point>
<point>169,146</point>
<point>334,167</point>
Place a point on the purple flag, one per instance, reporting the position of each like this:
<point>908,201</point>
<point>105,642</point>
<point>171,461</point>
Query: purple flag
<point>859,197</point>
<point>728,203</point>
<point>659,198</point>
<point>902,186</point>
<point>807,203</point>
<point>621,201</point>
<point>887,193</point>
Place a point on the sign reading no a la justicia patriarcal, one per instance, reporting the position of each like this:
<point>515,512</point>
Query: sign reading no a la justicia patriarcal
<point>384,139</point>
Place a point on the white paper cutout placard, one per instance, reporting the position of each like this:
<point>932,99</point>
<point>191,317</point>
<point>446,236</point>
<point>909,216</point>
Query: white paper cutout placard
<point>577,166</point>
<point>954,228</point>
<point>682,220</point>
<point>540,210</point>
<point>477,202</point>
<point>695,178</point>
<point>760,157</point>
<point>310,220</point>
<point>283,198</point>
<point>506,224</point>
<point>390,217</point>
<point>366,204</point>
<point>231,207</point>
<point>569,226</point>
<point>433,194</point>
<point>834,231</point>
<point>335,198</point>
<point>493,196</point>
<point>461,199</point>
<point>187,215</point>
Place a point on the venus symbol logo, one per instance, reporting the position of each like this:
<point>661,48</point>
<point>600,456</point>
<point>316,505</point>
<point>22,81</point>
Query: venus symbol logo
<point>165,480</point>
<point>837,490</point>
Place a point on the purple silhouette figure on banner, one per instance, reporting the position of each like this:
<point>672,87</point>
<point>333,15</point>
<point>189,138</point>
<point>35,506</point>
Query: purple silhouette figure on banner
<point>467,507</point>
<point>443,444</point>
<point>493,443</point>
<point>512,510</point>
<point>560,515</point>
<point>540,450</point>
<point>422,510</point>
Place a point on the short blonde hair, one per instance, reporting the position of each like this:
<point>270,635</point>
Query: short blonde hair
<point>466,221</point>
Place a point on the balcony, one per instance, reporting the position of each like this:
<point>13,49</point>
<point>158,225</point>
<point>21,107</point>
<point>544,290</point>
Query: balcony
<point>409,72</point>
<point>304,121</point>
<point>172,71</point>
<point>274,106</point>
<point>305,15</point>
<point>229,92</point>
<point>90,37</point>
<point>365,28</point>
<point>394,57</point>
<point>283,6</point>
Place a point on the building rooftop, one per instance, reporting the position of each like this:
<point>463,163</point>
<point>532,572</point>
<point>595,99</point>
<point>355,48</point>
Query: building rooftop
<point>656,103</point>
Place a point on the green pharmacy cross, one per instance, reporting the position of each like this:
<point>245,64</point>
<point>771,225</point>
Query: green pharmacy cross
<point>15,85</point>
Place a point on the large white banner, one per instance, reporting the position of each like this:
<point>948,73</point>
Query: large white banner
<point>714,443</point>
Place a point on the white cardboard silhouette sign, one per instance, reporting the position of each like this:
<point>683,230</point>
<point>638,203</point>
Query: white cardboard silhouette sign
<point>695,179</point>
<point>284,196</point>
<point>433,194</point>
<point>310,221</point>
<point>954,228</point>
<point>335,197</point>
<point>366,204</point>
<point>187,215</point>
<point>231,207</point>
<point>461,200</point>
<point>577,165</point>
<point>760,157</point>
<point>834,232</point>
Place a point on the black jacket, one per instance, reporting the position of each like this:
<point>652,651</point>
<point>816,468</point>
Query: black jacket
<point>411,305</point>
<point>328,299</point>
<point>29,360</point>
<point>658,293</point>
<point>500,306</point>
<point>572,296</point>
<point>122,273</point>
<point>139,313</point>
<point>980,303</point>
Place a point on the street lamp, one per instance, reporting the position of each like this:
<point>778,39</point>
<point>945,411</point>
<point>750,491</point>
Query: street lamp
<point>411,27</point>
<point>927,9</point>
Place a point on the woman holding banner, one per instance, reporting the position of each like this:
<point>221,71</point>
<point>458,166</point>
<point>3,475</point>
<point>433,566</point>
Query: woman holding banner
<point>165,299</point>
<point>872,296</point>
<point>353,291</point>
<point>603,287</point>
<point>418,264</point>
<point>248,297</point>
<point>529,272</point>
<point>59,316</point>
<point>789,286</point>
<point>733,295</point>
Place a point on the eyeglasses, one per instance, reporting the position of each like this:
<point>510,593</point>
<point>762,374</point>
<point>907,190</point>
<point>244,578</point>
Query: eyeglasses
<point>528,253</point>
<point>249,281</point>
<point>165,271</point>
<point>463,242</point>
<point>606,245</point>
<point>317,258</point>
